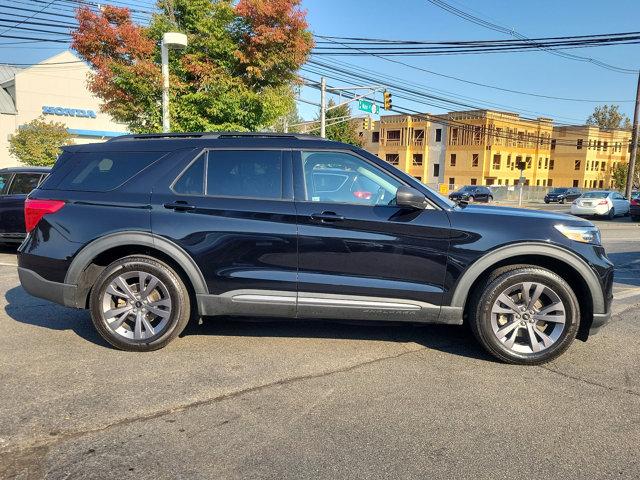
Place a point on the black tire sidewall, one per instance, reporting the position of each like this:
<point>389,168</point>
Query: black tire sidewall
<point>177,291</point>
<point>482,319</point>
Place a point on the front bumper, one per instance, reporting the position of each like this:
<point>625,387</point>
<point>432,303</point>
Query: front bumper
<point>61,293</point>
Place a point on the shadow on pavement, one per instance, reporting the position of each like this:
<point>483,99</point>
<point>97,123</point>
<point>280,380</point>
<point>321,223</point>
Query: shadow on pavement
<point>456,340</point>
<point>627,266</point>
<point>24,308</point>
<point>452,339</point>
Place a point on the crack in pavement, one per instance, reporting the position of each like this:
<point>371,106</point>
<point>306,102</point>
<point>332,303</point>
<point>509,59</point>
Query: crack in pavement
<point>199,403</point>
<point>590,382</point>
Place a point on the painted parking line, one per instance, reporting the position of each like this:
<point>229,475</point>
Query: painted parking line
<point>2,264</point>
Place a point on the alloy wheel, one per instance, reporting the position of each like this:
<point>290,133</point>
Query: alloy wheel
<point>136,305</point>
<point>528,317</point>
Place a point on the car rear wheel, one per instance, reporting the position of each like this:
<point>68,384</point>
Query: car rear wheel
<point>612,213</point>
<point>489,199</point>
<point>139,304</point>
<point>525,315</point>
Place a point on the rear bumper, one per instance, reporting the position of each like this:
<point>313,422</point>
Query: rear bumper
<point>595,210</point>
<point>34,284</point>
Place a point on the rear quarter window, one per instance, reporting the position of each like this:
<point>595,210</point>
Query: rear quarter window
<point>103,171</point>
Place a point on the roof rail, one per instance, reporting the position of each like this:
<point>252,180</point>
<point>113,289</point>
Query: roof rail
<point>212,135</point>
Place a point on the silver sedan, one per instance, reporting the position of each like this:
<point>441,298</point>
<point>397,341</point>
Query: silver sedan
<point>600,203</point>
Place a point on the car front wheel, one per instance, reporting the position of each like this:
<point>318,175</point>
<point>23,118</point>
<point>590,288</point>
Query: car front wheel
<point>139,304</point>
<point>525,315</point>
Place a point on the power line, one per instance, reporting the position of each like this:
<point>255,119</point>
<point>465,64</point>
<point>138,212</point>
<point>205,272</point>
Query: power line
<point>23,21</point>
<point>509,31</point>
<point>479,84</point>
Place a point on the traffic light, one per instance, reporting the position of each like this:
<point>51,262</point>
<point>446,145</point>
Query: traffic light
<point>387,100</point>
<point>367,124</point>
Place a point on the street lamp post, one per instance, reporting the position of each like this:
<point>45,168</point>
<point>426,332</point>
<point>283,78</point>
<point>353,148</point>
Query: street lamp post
<point>174,41</point>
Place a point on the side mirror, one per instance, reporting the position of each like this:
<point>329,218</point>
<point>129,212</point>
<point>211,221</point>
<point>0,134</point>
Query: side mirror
<point>410,197</point>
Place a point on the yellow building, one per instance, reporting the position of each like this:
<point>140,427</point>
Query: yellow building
<point>584,156</point>
<point>484,147</point>
<point>415,144</point>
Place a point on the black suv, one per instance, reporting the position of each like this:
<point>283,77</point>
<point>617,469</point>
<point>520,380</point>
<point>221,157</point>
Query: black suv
<point>149,230</point>
<point>472,193</point>
<point>15,184</point>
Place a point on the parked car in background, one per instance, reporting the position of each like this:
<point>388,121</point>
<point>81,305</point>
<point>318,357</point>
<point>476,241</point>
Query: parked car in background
<point>143,230</point>
<point>15,184</point>
<point>472,193</point>
<point>562,195</point>
<point>601,203</point>
<point>634,206</point>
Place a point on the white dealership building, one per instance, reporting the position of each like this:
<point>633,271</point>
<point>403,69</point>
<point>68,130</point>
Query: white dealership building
<point>55,88</point>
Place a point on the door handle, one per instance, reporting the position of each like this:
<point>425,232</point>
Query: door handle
<point>179,206</point>
<point>326,217</point>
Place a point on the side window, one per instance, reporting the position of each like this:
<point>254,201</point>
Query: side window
<point>104,171</point>
<point>191,182</point>
<point>337,177</point>
<point>5,178</point>
<point>23,183</point>
<point>245,173</point>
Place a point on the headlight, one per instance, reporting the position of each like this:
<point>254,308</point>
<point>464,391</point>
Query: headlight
<point>580,234</point>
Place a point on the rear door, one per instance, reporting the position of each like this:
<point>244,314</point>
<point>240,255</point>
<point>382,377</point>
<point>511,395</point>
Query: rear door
<point>232,210</point>
<point>360,255</point>
<point>12,205</point>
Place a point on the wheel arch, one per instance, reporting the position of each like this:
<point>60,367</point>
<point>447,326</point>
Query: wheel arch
<point>93,258</point>
<point>561,261</point>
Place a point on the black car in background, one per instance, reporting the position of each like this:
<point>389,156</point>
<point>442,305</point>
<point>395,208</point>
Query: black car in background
<point>147,231</point>
<point>634,206</point>
<point>472,193</point>
<point>15,185</point>
<point>562,195</point>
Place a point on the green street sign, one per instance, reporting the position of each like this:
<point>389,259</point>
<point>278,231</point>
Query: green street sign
<point>367,106</point>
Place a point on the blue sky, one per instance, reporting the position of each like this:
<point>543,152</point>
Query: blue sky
<point>534,71</point>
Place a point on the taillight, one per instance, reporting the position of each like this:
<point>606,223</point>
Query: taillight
<point>603,202</point>
<point>35,209</point>
<point>634,201</point>
<point>362,195</point>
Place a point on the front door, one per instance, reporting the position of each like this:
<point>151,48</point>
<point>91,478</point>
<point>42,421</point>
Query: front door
<point>232,211</point>
<point>360,255</point>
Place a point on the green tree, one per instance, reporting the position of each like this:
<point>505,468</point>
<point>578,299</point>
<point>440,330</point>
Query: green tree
<point>619,175</point>
<point>38,142</point>
<point>290,122</point>
<point>608,117</point>
<point>339,126</point>
<point>237,72</point>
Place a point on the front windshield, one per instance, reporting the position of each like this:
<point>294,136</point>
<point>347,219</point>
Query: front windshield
<point>559,190</point>
<point>595,195</point>
<point>467,189</point>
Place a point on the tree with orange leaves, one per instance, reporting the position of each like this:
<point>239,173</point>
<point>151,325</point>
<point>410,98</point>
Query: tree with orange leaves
<point>237,72</point>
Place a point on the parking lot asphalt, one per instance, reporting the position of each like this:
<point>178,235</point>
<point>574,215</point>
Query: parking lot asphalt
<point>250,399</point>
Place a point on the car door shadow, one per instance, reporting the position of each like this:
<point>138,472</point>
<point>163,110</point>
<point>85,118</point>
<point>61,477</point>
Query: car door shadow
<point>29,310</point>
<point>455,340</point>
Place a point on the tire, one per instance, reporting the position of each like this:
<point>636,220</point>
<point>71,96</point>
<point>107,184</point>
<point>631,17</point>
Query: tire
<point>547,202</point>
<point>489,199</point>
<point>635,218</point>
<point>561,201</point>
<point>612,214</point>
<point>513,343</point>
<point>151,322</point>
<point>470,199</point>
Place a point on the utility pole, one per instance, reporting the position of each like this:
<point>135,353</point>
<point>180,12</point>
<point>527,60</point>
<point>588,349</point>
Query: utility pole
<point>323,107</point>
<point>634,143</point>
